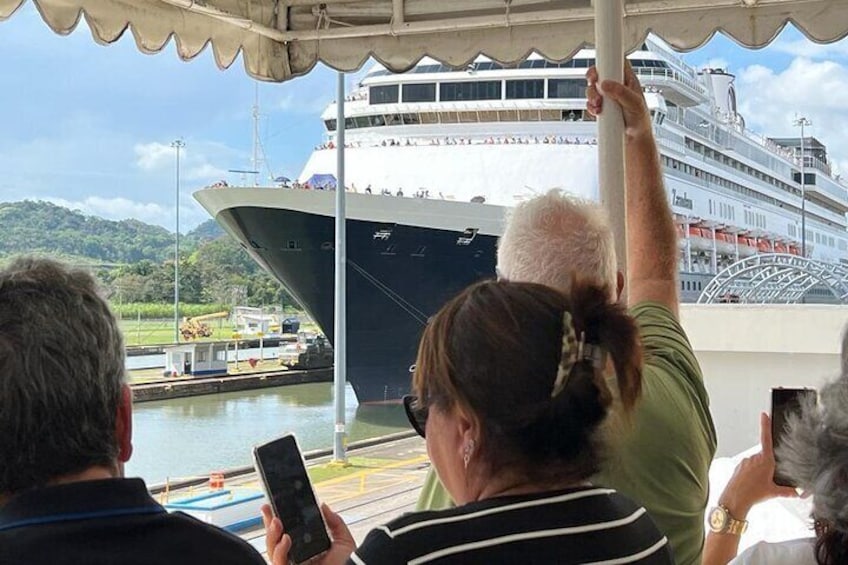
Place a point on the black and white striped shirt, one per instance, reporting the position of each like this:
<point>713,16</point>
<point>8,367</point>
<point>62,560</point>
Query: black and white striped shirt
<point>582,525</point>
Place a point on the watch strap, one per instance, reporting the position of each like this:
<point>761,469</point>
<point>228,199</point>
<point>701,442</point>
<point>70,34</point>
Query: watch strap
<point>733,526</point>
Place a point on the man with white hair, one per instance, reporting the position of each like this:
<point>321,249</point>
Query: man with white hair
<point>661,457</point>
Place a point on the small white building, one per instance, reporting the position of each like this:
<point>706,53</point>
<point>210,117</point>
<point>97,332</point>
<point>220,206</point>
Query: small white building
<point>252,321</point>
<point>199,359</point>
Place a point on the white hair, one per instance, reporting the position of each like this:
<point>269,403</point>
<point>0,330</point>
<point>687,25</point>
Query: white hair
<point>551,238</point>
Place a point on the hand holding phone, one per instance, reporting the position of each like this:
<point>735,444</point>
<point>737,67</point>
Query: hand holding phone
<point>282,471</point>
<point>278,546</point>
<point>785,401</point>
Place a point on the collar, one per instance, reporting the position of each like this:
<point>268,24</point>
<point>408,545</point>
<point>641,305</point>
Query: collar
<point>78,501</point>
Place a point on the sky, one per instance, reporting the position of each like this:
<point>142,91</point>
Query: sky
<point>90,127</point>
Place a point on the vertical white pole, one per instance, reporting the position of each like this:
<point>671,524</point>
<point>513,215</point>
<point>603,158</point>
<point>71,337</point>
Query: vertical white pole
<point>609,60</point>
<point>714,261</point>
<point>340,330</point>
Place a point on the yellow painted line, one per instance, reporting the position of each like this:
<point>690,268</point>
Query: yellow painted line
<point>335,497</point>
<point>366,472</point>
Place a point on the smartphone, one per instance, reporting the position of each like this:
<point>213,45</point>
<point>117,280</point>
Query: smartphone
<point>785,401</point>
<point>282,471</point>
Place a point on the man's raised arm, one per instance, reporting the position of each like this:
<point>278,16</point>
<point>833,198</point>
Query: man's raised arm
<point>651,237</point>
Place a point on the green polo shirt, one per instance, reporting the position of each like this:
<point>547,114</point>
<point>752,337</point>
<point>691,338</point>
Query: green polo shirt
<point>661,458</point>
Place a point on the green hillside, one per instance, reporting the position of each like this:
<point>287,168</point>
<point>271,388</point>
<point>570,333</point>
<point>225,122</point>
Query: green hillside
<point>135,260</point>
<point>43,227</point>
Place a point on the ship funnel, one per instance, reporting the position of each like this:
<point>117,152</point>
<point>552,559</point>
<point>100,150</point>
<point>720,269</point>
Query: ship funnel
<point>724,93</point>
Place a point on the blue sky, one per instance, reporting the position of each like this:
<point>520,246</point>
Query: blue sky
<point>90,126</point>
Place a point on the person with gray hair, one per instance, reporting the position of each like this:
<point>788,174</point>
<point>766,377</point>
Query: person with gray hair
<point>66,432</point>
<point>814,454</point>
<point>660,455</point>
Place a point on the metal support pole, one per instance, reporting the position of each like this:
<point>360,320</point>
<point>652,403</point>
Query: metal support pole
<point>802,121</point>
<point>714,260</point>
<point>340,330</point>
<point>177,144</point>
<point>609,59</point>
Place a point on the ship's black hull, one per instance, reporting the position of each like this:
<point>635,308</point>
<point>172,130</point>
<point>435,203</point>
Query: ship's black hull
<point>397,277</point>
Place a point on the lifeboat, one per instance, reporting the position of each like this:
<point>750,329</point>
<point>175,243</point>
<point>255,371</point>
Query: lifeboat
<point>747,247</point>
<point>794,249</point>
<point>681,236</point>
<point>764,246</point>
<point>700,239</point>
<point>725,243</point>
<point>780,247</point>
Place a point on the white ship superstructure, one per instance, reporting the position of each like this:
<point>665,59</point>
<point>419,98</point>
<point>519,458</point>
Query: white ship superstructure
<point>500,135</point>
<point>436,156</point>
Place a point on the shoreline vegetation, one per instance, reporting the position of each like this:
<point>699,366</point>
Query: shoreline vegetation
<point>134,263</point>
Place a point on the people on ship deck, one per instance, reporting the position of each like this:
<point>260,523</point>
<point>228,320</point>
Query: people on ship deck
<point>66,433</point>
<point>660,456</point>
<point>814,454</point>
<point>513,383</point>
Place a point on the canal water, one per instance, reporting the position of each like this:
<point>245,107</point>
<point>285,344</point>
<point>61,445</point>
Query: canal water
<point>186,437</point>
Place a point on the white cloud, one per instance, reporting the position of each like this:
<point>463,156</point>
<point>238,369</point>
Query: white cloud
<point>153,156</point>
<point>805,48</point>
<point>715,63</point>
<point>770,100</point>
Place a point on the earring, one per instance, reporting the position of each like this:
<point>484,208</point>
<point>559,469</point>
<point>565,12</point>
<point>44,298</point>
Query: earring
<point>469,449</point>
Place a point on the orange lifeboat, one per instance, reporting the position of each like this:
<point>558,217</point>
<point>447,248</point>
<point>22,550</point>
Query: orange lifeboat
<point>747,247</point>
<point>725,243</point>
<point>764,246</point>
<point>700,239</point>
<point>794,249</point>
<point>780,247</point>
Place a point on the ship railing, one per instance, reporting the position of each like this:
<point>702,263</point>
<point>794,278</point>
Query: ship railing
<point>673,75</point>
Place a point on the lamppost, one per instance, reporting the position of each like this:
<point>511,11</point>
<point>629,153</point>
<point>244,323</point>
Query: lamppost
<point>177,144</point>
<point>803,122</point>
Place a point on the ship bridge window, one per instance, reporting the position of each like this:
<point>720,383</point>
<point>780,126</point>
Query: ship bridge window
<point>478,90</point>
<point>467,236</point>
<point>419,92</point>
<point>330,124</point>
<point>383,94</point>
<point>516,89</point>
<point>566,88</point>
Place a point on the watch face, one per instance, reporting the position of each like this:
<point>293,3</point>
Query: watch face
<point>718,519</point>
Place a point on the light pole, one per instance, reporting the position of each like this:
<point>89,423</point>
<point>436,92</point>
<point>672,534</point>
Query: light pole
<point>802,122</point>
<point>177,144</point>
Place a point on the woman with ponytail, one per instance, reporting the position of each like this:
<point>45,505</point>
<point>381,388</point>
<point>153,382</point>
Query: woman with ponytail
<point>513,385</point>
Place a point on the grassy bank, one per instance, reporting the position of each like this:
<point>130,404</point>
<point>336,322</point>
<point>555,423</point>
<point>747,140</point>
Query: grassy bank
<point>156,332</point>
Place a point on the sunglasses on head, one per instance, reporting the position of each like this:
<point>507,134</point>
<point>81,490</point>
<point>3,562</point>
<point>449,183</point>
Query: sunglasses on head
<point>416,413</point>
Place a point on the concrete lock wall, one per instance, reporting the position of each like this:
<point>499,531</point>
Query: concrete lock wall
<point>745,350</point>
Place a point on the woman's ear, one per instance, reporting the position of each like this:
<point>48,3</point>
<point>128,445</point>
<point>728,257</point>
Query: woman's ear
<point>468,427</point>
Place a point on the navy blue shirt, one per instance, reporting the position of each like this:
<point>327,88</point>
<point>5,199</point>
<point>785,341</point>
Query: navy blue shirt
<point>107,522</point>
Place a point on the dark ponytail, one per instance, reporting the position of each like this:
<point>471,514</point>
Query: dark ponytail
<point>564,427</point>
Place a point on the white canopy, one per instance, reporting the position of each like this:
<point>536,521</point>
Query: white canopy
<point>281,39</point>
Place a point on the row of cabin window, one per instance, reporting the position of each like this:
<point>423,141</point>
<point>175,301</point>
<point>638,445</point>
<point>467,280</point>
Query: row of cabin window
<point>529,64</point>
<point>709,178</point>
<point>453,117</point>
<point>478,90</point>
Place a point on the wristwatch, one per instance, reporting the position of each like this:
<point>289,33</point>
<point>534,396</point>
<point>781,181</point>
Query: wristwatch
<point>721,522</point>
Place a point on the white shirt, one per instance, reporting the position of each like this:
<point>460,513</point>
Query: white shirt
<point>791,552</point>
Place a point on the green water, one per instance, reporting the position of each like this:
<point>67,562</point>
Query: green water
<point>193,436</point>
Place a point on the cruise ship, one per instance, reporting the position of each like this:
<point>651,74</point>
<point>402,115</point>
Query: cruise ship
<point>435,157</point>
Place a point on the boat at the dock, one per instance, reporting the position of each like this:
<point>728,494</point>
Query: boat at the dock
<point>436,156</point>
